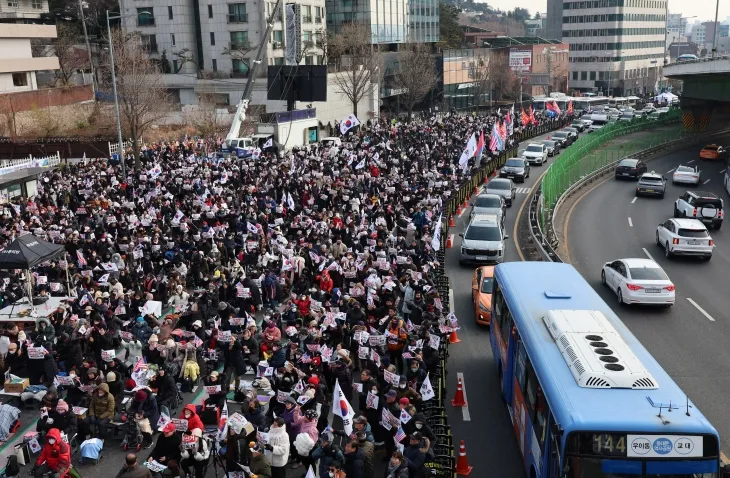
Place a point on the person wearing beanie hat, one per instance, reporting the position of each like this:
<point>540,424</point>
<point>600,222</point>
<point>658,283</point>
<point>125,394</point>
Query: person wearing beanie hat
<point>146,405</point>
<point>195,455</point>
<point>260,464</point>
<point>111,377</point>
<point>141,330</point>
<point>327,453</point>
<point>56,417</point>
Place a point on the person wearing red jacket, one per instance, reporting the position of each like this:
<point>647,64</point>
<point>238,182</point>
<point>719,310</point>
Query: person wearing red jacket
<point>325,282</point>
<point>192,417</point>
<point>55,457</point>
<point>303,303</point>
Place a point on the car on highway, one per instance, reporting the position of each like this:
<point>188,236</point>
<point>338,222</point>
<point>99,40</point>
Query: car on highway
<point>489,204</point>
<point>630,168</point>
<point>713,151</point>
<point>502,187</point>
<point>535,153</point>
<point>552,147</point>
<point>599,121</point>
<point>626,117</point>
<point>686,174</point>
<point>651,184</point>
<point>656,115</point>
<point>572,132</point>
<point>701,205</point>
<point>483,240</point>
<point>638,281</point>
<point>482,285</point>
<point>586,120</point>
<point>684,237</point>
<point>516,168</point>
<point>562,137</point>
<point>578,124</point>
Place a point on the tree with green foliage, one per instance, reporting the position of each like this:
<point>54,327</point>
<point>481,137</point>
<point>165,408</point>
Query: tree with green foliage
<point>450,31</point>
<point>519,14</point>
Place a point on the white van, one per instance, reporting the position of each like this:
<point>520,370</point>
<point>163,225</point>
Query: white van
<point>597,122</point>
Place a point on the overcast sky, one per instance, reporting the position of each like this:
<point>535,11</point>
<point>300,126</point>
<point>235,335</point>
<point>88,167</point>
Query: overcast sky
<point>703,9</point>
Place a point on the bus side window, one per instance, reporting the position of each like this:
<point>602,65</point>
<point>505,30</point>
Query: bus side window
<point>537,406</point>
<point>505,326</point>
<point>499,304</point>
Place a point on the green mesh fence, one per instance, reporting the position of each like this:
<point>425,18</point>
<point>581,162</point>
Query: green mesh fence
<point>585,156</point>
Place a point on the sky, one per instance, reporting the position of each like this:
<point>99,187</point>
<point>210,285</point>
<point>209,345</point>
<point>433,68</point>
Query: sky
<point>703,9</point>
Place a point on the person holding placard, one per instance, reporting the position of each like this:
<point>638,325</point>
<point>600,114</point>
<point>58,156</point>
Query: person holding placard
<point>167,449</point>
<point>194,453</point>
<point>217,387</point>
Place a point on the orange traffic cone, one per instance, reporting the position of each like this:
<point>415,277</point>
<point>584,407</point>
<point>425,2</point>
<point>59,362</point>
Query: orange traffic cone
<point>458,210</point>
<point>448,242</point>
<point>458,400</point>
<point>476,190</point>
<point>466,203</point>
<point>462,464</point>
<point>486,178</point>
<point>453,338</point>
<point>451,221</point>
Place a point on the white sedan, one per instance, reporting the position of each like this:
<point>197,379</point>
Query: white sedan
<point>686,175</point>
<point>638,281</point>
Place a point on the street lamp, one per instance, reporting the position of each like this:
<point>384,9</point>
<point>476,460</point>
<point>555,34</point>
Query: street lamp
<point>120,151</point>
<point>610,70</point>
<point>717,29</point>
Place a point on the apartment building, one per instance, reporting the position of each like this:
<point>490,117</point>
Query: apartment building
<point>211,44</point>
<point>22,11</point>
<point>390,21</point>
<point>616,46</point>
<point>18,66</point>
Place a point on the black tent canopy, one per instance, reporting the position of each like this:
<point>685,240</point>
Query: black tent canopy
<point>27,252</point>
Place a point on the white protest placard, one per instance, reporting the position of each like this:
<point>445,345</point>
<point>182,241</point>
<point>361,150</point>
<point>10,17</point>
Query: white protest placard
<point>362,352</point>
<point>163,421</point>
<point>281,396</point>
<point>64,380</point>
<point>391,378</point>
<point>36,353</point>
<point>79,411</point>
<point>372,401</point>
<point>42,280</point>
<point>224,336</point>
<point>269,372</point>
<point>434,341</point>
<point>236,422</point>
<point>262,437</point>
<point>108,355</point>
<point>212,389</point>
<point>181,425</point>
<point>237,321</point>
<point>155,466</point>
<point>357,387</point>
<point>189,441</point>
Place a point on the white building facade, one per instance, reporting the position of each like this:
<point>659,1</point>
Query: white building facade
<point>616,46</point>
<point>18,66</point>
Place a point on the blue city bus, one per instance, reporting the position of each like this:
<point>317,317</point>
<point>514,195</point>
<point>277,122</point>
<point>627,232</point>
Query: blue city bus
<point>586,399</point>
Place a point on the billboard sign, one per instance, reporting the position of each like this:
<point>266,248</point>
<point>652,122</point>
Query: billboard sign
<point>520,60</point>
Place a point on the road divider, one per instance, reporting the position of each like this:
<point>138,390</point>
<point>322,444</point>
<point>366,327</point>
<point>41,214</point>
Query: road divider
<point>631,224</point>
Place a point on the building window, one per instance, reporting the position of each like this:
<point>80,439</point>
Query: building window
<point>145,18</point>
<point>318,14</point>
<point>575,75</point>
<point>237,13</point>
<point>212,38</point>
<point>149,43</point>
<point>279,61</point>
<point>169,13</point>
<point>215,64</point>
<point>239,41</point>
<point>593,76</point>
<point>172,35</point>
<point>174,66</point>
<point>309,60</point>
<point>320,59</point>
<point>583,75</point>
<point>13,3</point>
<point>277,36</point>
<point>306,36</point>
<point>20,79</point>
<point>239,68</point>
<point>306,14</point>
<point>210,11</point>
<point>37,4</point>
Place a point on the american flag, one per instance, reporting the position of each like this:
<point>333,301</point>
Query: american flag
<point>80,257</point>
<point>400,435</point>
<point>197,342</point>
<point>306,359</point>
<point>140,365</point>
<point>495,142</point>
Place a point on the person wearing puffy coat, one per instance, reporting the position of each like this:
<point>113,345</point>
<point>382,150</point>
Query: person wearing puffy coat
<point>196,456</point>
<point>101,410</point>
<point>279,447</point>
<point>194,421</point>
<point>55,456</point>
<point>141,330</point>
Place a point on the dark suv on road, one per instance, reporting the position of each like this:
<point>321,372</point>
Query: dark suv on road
<point>630,169</point>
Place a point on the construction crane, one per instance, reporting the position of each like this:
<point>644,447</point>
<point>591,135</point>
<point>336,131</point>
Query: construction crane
<point>240,115</point>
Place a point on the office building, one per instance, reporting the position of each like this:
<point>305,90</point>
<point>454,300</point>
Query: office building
<point>211,45</point>
<point>616,46</point>
<point>18,66</point>
<point>677,24</point>
<point>22,11</point>
<point>390,21</point>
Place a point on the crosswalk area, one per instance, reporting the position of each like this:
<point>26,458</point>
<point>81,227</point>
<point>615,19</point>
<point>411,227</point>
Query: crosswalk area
<point>522,190</point>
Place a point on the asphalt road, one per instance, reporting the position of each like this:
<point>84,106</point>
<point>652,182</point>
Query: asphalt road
<point>490,441</point>
<point>607,224</point>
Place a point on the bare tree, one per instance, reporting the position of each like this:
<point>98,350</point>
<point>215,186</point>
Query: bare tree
<point>358,62</point>
<point>143,96</point>
<point>70,58</point>
<point>503,82</point>
<point>205,118</point>
<point>480,79</point>
<point>184,57</point>
<point>416,75</point>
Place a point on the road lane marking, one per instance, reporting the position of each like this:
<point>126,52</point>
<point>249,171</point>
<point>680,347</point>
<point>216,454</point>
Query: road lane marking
<point>570,213</point>
<point>451,300</point>
<point>633,200</point>
<point>463,211</point>
<point>706,182</point>
<point>515,239</point>
<point>631,224</point>
<point>722,171</point>
<point>671,170</point>
<point>451,239</point>
<point>465,409</point>
<point>647,253</point>
<point>690,162</point>
<point>702,311</point>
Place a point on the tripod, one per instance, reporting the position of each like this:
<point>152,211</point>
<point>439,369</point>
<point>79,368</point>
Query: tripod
<point>215,458</point>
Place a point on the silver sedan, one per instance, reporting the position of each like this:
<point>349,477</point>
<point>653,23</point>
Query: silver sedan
<point>686,175</point>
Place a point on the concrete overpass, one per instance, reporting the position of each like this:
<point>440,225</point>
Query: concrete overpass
<point>706,89</point>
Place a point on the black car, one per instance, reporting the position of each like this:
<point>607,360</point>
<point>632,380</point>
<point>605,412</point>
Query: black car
<point>630,168</point>
<point>563,137</point>
<point>553,147</point>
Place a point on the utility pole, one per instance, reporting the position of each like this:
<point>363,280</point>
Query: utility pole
<point>716,31</point>
<point>549,69</point>
<point>88,46</point>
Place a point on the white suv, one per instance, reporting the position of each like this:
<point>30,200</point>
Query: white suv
<point>684,237</point>
<point>702,205</point>
<point>535,153</point>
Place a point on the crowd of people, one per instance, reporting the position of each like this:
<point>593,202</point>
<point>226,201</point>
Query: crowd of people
<point>274,282</point>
